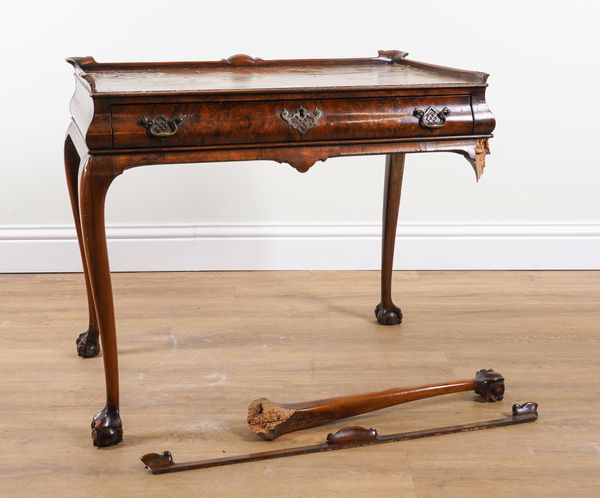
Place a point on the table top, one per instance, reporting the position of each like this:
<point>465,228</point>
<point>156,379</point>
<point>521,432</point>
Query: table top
<point>244,74</point>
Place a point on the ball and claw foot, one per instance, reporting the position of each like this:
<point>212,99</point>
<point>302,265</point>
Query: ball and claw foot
<point>107,429</point>
<point>88,344</point>
<point>489,384</point>
<point>388,316</point>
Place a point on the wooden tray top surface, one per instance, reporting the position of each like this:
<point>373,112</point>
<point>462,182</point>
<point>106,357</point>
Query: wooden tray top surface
<point>244,74</point>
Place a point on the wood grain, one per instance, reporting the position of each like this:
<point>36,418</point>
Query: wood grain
<point>212,112</point>
<point>224,123</point>
<point>187,378</point>
<point>249,74</point>
<point>270,419</point>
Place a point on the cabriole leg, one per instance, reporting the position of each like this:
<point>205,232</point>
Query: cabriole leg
<point>386,312</point>
<point>96,178</point>
<point>88,342</point>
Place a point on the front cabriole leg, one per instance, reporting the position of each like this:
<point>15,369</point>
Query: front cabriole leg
<point>386,312</point>
<point>96,178</point>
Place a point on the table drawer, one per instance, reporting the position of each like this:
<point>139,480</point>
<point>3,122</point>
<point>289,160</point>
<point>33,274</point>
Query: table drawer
<point>222,123</point>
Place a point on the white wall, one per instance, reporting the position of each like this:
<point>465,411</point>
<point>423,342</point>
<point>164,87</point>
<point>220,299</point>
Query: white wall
<point>536,206</point>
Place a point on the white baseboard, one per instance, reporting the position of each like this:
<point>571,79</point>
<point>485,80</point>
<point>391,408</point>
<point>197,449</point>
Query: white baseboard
<point>439,246</point>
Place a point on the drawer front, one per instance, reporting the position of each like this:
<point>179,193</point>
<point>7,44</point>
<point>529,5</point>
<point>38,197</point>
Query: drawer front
<point>222,123</point>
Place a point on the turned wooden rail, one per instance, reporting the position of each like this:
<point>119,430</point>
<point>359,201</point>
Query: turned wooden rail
<point>349,437</point>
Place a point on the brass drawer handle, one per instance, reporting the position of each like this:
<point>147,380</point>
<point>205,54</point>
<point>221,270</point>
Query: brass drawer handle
<point>301,120</point>
<point>431,118</point>
<point>160,126</point>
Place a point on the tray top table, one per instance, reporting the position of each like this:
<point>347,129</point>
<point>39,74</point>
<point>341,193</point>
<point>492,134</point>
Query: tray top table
<point>297,112</point>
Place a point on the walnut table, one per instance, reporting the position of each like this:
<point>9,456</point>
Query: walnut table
<point>291,111</point>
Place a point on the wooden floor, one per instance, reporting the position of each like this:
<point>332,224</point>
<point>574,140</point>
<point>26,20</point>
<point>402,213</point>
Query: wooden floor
<point>196,348</point>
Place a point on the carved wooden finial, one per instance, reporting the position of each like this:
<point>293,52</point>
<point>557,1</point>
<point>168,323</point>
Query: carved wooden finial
<point>352,435</point>
<point>81,61</point>
<point>525,409</point>
<point>393,56</point>
<point>241,60</point>
<point>155,461</point>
